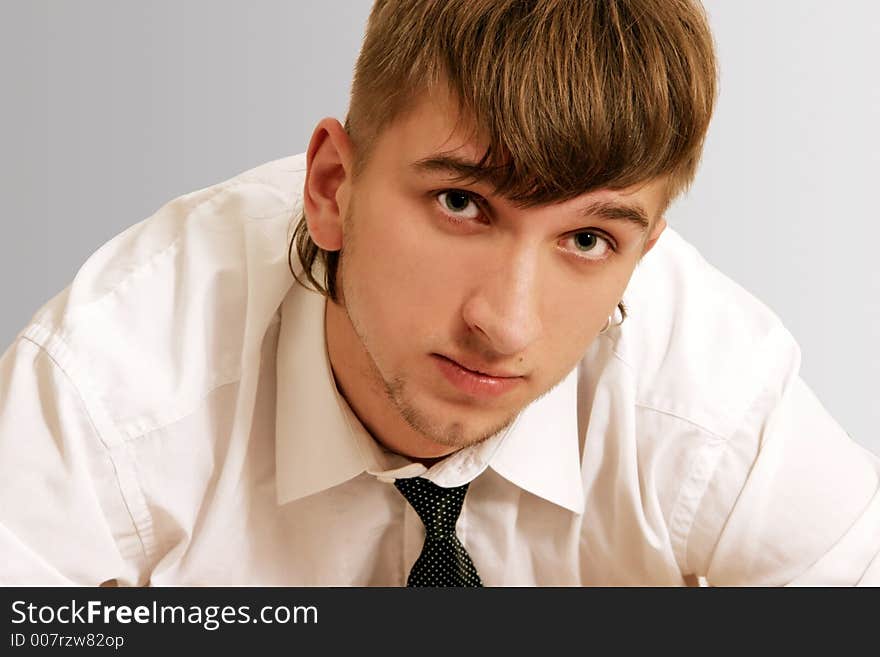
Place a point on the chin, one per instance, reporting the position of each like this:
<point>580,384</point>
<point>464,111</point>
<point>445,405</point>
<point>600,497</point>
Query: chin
<point>450,423</point>
<point>450,432</point>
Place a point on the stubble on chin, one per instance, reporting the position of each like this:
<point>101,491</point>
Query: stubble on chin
<point>450,434</point>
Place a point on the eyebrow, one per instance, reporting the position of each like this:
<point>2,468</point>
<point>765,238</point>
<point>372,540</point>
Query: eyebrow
<point>461,169</point>
<point>614,211</point>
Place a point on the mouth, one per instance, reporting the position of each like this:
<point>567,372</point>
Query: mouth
<point>480,383</point>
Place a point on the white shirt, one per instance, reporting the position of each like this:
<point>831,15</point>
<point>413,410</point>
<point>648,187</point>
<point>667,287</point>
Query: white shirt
<point>171,418</point>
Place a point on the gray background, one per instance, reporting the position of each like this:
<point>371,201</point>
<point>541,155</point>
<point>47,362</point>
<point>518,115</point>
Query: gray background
<point>113,107</point>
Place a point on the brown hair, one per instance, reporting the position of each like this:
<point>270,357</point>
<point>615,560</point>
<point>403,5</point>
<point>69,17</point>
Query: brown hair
<point>570,95</point>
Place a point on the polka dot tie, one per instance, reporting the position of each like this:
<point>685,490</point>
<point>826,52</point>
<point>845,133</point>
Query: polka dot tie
<point>443,561</point>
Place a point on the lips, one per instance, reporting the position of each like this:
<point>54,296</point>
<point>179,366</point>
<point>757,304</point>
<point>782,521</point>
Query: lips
<point>477,380</point>
<point>485,370</point>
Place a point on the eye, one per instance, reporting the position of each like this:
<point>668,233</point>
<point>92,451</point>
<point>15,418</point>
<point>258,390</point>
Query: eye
<point>458,204</point>
<point>588,245</point>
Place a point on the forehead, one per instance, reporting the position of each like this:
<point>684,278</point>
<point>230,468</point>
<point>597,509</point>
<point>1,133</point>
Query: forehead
<point>431,123</point>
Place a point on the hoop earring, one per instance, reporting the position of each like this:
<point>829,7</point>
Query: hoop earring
<point>607,325</point>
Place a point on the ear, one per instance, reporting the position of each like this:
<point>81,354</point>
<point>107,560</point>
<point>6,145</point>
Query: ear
<point>328,183</point>
<point>656,231</point>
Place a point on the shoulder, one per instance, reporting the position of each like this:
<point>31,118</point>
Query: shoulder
<point>214,219</point>
<point>167,310</point>
<point>698,344</point>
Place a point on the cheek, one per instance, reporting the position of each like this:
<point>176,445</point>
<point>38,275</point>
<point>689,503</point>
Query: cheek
<point>576,310</point>
<point>569,327</point>
<point>402,277</point>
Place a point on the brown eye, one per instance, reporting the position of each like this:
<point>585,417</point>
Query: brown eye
<point>585,241</point>
<point>458,204</point>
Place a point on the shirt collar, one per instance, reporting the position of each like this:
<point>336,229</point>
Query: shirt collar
<point>320,442</point>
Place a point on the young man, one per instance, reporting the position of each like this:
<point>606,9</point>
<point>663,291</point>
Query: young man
<point>502,367</point>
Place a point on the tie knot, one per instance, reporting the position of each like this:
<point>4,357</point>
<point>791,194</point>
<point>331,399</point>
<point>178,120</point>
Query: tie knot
<point>438,507</point>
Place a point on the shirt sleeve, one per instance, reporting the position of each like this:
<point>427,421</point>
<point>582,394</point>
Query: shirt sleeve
<point>64,519</point>
<point>793,500</point>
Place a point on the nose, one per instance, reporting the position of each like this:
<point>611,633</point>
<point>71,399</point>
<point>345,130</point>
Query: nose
<point>504,306</point>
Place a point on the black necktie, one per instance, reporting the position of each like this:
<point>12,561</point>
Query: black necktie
<point>443,561</point>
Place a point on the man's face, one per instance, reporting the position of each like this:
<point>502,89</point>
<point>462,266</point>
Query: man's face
<point>458,307</point>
